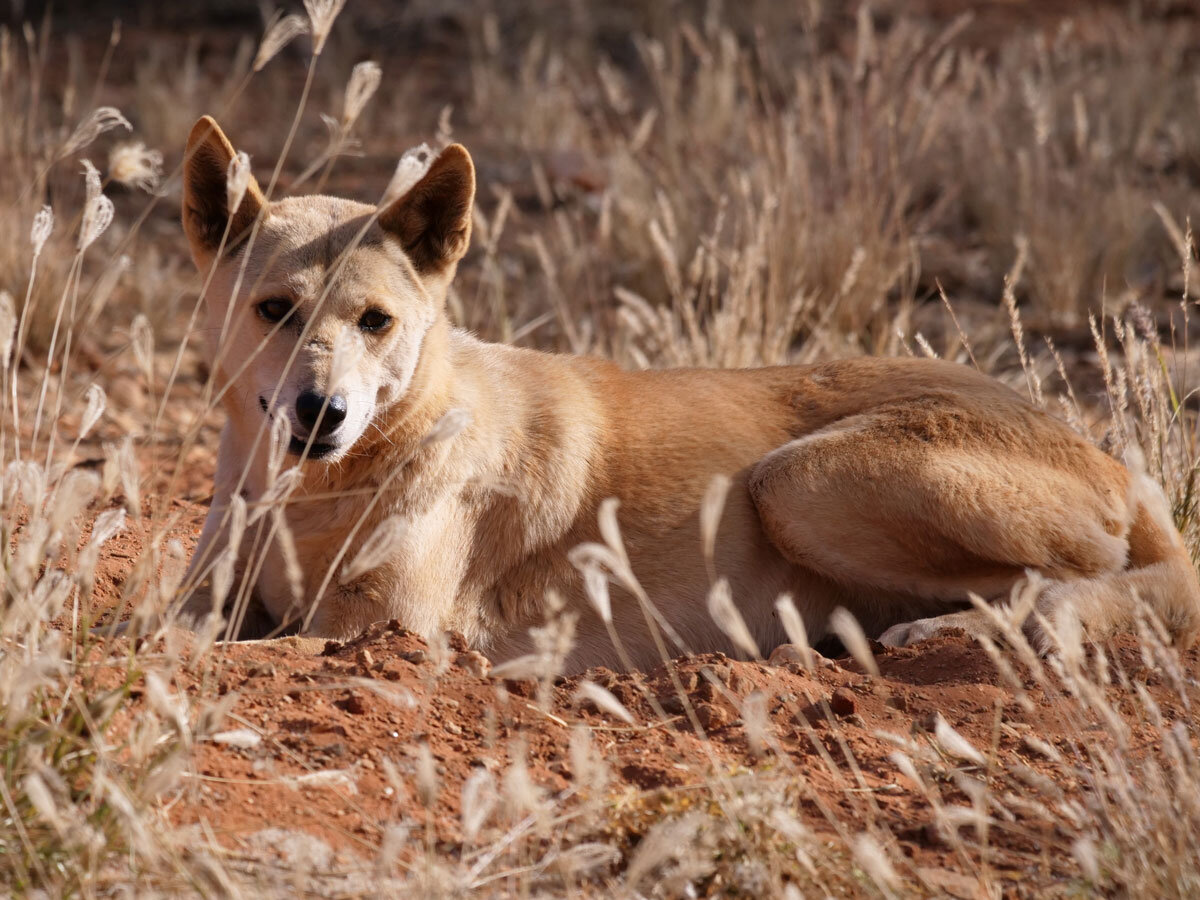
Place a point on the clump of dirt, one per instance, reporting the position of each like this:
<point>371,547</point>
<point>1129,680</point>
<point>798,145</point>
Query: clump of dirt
<point>325,738</point>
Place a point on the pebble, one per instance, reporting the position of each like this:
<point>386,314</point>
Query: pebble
<point>843,702</point>
<point>721,673</point>
<point>672,703</point>
<point>524,688</point>
<point>787,655</point>
<point>712,716</point>
<point>741,685</point>
<point>475,663</point>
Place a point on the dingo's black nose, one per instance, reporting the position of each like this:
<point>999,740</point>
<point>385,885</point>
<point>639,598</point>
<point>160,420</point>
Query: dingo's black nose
<point>309,406</point>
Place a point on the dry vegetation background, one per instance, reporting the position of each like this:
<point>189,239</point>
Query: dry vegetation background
<point>1008,184</point>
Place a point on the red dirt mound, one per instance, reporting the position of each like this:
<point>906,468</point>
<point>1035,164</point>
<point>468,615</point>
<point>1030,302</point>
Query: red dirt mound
<point>327,738</point>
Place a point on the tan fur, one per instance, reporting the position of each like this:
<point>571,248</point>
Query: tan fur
<point>891,487</point>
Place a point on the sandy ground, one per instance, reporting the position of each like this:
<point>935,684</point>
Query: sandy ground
<point>323,739</point>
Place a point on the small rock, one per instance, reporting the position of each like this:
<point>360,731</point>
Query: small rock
<point>672,703</point>
<point>898,702</point>
<point>953,883</point>
<point>239,737</point>
<point>711,716</point>
<point>450,703</point>
<point>788,655</point>
<point>524,688</point>
<point>721,673</point>
<point>416,657</point>
<point>741,685</point>
<point>932,835</point>
<point>365,659</point>
<point>606,678</point>
<point>353,704</point>
<point>452,728</point>
<point>843,702</point>
<point>474,662</point>
<point>331,648</point>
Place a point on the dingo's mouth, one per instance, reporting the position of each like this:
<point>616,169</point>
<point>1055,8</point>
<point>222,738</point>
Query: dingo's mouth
<point>316,451</point>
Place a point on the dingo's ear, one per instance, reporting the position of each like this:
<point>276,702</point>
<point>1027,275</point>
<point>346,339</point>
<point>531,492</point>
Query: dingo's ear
<point>205,195</point>
<point>432,220</point>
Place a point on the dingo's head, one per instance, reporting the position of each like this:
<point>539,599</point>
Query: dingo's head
<point>320,313</point>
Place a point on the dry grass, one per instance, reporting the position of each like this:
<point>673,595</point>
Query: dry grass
<point>704,190</point>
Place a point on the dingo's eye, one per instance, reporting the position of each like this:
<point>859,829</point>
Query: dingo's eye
<point>374,320</point>
<point>275,309</point>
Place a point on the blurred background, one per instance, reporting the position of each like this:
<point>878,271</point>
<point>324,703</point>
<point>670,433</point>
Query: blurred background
<point>663,183</point>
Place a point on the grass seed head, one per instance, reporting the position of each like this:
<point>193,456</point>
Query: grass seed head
<point>39,233</point>
<point>364,81</point>
<point>103,119</point>
<point>725,613</point>
<point>281,31</point>
<point>321,15</point>
<point>97,209</point>
<point>237,180</point>
<point>846,627</point>
<point>134,165</point>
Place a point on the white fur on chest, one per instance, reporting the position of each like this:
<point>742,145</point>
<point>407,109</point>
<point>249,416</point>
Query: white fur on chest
<point>415,583</point>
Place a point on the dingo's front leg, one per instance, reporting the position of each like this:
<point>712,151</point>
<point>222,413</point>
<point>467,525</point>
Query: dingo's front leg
<point>211,565</point>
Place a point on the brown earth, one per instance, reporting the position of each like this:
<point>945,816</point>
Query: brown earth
<point>324,739</point>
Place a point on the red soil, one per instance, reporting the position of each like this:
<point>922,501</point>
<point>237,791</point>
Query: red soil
<point>337,729</point>
<point>333,724</point>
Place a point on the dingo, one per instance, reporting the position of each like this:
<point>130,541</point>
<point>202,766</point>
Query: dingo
<point>891,487</point>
